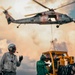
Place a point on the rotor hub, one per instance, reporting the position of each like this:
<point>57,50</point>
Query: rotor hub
<point>5,12</point>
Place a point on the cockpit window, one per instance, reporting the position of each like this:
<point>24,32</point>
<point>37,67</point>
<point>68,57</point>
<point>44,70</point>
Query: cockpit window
<point>65,17</point>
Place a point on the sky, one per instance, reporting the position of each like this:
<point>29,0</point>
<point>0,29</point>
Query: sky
<point>33,39</point>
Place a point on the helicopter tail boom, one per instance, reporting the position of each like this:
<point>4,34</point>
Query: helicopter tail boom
<point>9,18</point>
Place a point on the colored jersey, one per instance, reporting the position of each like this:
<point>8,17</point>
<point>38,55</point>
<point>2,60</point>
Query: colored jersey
<point>9,62</point>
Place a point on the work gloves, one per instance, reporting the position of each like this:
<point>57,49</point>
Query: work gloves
<point>1,74</point>
<point>20,58</point>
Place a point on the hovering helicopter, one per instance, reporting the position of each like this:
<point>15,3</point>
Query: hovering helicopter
<point>42,17</point>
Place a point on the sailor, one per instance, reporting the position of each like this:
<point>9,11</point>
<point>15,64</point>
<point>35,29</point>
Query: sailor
<point>9,61</point>
<point>55,58</point>
<point>41,66</point>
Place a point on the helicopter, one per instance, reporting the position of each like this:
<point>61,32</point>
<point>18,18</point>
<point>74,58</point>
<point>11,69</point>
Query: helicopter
<point>42,17</point>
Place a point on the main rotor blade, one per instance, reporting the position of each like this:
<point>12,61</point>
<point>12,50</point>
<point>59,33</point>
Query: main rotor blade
<point>41,4</point>
<point>64,5</point>
<point>33,14</point>
<point>30,14</point>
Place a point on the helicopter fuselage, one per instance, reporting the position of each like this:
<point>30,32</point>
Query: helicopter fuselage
<point>46,18</point>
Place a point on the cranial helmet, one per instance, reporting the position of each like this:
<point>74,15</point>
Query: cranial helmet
<point>12,47</point>
<point>43,57</point>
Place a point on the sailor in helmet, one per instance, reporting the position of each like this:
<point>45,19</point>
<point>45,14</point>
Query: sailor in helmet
<point>9,61</point>
<point>41,66</point>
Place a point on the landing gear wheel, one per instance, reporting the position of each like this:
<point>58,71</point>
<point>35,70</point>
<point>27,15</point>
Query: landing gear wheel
<point>17,26</point>
<point>57,26</point>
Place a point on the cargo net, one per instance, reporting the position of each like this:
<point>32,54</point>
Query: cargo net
<point>66,70</point>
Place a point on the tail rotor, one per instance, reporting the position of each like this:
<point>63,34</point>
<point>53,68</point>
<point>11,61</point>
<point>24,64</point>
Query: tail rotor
<point>7,15</point>
<point>2,8</point>
<point>5,10</point>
